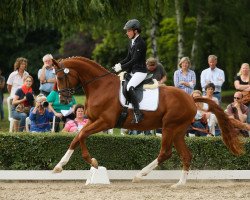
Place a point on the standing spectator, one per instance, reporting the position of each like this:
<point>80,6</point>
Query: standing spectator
<point>185,78</point>
<point>40,116</point>
<point>78,123</point>
<point>156,69</point>
<point>2,84</point>
<point>213,75</point>
<point>23,101</point>
<point>57,107</point>
<point>238,111</point>
<point>242,83</point>
<point>46,75</point>
<point>15,79</point>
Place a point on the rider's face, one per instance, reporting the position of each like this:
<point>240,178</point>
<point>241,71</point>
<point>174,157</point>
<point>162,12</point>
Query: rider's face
<point>130,33</point>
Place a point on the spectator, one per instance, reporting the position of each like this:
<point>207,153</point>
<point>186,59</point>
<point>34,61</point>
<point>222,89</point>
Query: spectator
<point>2,84</point>
<point>46,75</point>
<point>78,123</point>
<point>156,69</point>
<point>40,116</point>
<point>213,75</point>
<point>15,79</point>
<point>238,110</point>
<point>57,108</point>
<point>242,83</point>
<point>199,125</point>
<point>23,101</point>
<point>212,120</point>
<point>185,78</point>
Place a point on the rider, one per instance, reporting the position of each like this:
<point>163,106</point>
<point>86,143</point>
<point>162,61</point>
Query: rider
<point>134,63</point>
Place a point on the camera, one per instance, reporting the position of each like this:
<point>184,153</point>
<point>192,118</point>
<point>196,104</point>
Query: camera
<point>44,104</point>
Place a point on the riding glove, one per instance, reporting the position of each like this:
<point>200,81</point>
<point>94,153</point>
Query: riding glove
<point>117,67</point>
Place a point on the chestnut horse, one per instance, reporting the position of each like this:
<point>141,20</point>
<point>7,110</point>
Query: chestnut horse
<point>174,114</point>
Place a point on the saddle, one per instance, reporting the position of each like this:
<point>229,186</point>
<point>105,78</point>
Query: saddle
<point>139,89</point>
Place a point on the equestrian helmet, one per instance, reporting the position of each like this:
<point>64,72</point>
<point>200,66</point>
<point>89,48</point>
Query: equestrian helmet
<point>133,24</point>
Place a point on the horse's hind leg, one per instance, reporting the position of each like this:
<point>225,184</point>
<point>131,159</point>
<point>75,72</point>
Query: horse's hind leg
<point>186,157</point>
<point>165,153</point>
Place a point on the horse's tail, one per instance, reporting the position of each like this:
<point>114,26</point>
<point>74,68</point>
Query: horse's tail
<point>230,134</point>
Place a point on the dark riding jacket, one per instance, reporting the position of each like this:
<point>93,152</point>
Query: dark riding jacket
<point>136,57</point>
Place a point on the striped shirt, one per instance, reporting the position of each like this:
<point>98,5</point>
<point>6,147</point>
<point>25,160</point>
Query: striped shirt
<point>190,77</point>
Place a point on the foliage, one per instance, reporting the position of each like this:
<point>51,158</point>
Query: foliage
<point>25,151</point>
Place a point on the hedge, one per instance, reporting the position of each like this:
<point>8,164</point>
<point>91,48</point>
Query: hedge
<point>26,151</point>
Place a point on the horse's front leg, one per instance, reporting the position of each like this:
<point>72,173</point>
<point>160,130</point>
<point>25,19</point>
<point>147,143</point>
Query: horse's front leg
<point>59,167</point>
<point>95,127</point>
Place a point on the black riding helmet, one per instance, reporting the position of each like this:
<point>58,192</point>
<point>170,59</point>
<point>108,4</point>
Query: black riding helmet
<point>133,24</point>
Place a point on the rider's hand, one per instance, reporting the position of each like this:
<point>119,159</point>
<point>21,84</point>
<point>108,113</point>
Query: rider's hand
<point>117,67</point>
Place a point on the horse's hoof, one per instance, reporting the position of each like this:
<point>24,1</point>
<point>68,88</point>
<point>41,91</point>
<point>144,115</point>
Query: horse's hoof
<point>94,163</point>
<point>177,185</point>
<point>57,169</point>
<point>136,179</point>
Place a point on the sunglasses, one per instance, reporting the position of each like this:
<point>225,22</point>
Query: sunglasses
<point>237,98</point>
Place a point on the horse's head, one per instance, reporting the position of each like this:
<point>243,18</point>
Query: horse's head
<point>67,80</point>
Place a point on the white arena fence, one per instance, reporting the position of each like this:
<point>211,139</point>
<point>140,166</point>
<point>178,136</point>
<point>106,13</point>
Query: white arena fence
<point>124,175</point>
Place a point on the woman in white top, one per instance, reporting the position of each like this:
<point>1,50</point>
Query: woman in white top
<point>212,120</point>
<point>15,79</point>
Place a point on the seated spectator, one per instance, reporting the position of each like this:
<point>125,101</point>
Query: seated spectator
<point>23,101</point>
<point>185,78</point>
<point>242,84</point>
<point>57,108</point>
<point>40,116</point>
<point>199,125</point>
<point>78,123</point>
<point>212,120</point>
<point>238,110</point>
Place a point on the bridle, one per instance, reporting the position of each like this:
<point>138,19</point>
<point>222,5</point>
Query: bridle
<point>68,91</point>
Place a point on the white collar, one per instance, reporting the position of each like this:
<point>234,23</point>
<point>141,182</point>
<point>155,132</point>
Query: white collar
<point>133,40</point>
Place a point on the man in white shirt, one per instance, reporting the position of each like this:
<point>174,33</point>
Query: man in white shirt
<point>213,75</point>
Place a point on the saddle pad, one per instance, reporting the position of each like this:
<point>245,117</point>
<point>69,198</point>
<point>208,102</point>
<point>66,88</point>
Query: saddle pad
<point>149,102</point>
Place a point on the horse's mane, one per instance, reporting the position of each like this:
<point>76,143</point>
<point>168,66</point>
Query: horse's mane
<point>87,60</point>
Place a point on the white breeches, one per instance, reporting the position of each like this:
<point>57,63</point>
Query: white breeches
<point>136,79</point>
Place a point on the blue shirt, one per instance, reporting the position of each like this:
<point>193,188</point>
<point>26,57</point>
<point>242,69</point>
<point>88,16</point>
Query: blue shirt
<point>190,77</point>
<point>40,123</point>
<point>49,73</point>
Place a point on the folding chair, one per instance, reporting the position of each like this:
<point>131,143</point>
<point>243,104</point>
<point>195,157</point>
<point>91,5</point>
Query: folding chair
<point>12,121</point>
<point>27,124</point>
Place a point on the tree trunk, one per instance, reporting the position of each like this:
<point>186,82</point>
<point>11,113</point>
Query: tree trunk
<point>154,27</point>
<point>195,46</point>
<point>180,29</point>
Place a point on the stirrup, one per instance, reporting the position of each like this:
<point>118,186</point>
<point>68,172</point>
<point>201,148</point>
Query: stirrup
<point>137,118</point>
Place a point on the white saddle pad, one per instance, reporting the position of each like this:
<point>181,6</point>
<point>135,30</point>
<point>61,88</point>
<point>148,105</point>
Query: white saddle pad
<point>149,102</point>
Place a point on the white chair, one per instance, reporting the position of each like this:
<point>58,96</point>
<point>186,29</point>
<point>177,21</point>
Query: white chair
<point>28,122</point>
<point>11,119</point>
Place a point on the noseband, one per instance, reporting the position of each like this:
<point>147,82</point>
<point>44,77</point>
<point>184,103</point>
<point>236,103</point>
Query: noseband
<point>68,91</point>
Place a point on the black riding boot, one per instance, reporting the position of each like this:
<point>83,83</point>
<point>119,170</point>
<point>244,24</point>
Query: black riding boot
<point>138,116</point>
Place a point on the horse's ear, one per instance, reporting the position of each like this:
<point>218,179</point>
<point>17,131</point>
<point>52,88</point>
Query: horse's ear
<point>56,64</point>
